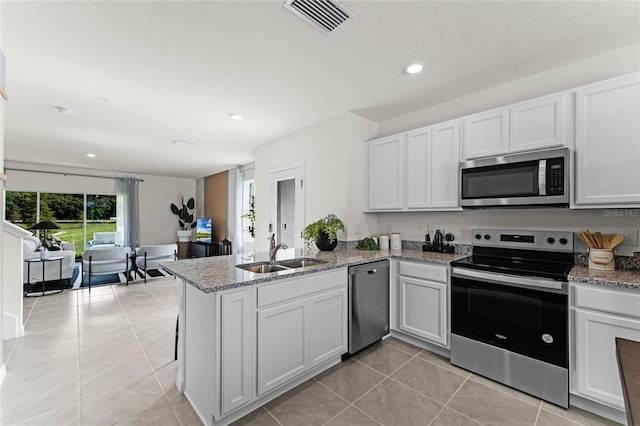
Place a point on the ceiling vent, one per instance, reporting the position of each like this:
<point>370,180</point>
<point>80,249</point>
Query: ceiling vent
<point>324,15</point>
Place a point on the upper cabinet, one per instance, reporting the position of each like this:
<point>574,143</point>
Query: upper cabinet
<point>415,170</point>
<point>386,172</point>
<point>539,123</point>
<point>607,151</point>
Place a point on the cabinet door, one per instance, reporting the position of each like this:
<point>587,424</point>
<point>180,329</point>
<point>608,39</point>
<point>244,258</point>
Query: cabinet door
<point>282,344</point>
<point>418,177</point>
<point>607,147</point>
<point>236,346</point>
<point>328,325</point>
<point>486,134</point>
<point>596,365</point>
<point>540,123</point>
<point>386,173</point>
<point>423,309</point>
<point>445,159</point>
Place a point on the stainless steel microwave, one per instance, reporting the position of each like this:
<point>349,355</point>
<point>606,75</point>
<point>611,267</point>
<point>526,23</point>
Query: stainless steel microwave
<point>538,178</point>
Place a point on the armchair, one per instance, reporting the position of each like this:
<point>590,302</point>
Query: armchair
<point>105,260</point>
<point>150,257</point>
<point>102,239</point>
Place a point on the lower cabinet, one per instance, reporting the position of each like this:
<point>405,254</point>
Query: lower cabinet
<point>601,315</point>
<point>422,291</point>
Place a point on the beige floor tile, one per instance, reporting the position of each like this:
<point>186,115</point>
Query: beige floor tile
<point>384,358</point>
<point>121,403</point>
<point>403,346</point>
<point>448,417</point>
<point>93,299</point>
<point>350,379</point>
<point>67,415</point>
<point>121,335</point>
<point>96,355</point>
<point>55,324</point>
<point>156,313</point>
<point>54,313</point>
<point>102,289</point>
<point>39,399</point>
<point>153,326</point>
<point>506,389</point>
<point>112,374</point>
<point>25,373</point>
<point>183,409</point>
<point>161,414</point>
<point>547,418</point>
<point>392,403</point>
<point>492,407</point>
<point>8,347</point>
<point>88,325</point>
<point>429,379</point>
<point>167,375</point>
<point>259,417</point>
<point>576,414</point>
<point>310,404</point>
<point>442,362</point>
<point>352,417</point>
<point>53,334</point>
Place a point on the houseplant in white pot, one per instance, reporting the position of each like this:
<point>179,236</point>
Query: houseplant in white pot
<point>185,218</point>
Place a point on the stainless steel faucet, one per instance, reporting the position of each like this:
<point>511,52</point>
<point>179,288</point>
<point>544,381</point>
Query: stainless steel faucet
<point>273,248</point>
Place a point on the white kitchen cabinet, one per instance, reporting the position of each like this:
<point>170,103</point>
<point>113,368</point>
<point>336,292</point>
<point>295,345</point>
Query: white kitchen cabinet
<point>386,173</point>
<point>283,341</point>
<point>418,177</point>
<point>540,123</point>
<point>445,159</point>
<point>328,325</point>
<point>486,134</point>
<point>422,301</point>
<point>236,346</point>
<point>607,147</point>
<point>600,315</point>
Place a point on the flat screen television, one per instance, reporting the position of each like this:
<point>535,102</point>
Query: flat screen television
<point>203,230</point>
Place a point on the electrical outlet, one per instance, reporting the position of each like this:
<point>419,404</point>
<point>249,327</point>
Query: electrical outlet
<point>389,228</point>
<point>357,228</point>
<point>630,236</point>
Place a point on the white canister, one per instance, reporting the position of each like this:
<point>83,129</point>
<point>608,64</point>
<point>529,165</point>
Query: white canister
<point>383,242</point>
<point>395,242</point>
<point>601,259</point>
<point>44,254</point>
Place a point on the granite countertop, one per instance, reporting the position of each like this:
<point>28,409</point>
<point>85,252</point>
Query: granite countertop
<point>218,273</point>
<point>619,278</point>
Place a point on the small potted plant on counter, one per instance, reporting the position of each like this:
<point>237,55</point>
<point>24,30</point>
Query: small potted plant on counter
<point>324,232</point>
<point>185,218</point>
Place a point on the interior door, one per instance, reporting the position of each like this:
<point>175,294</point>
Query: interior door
<point>286,205</point>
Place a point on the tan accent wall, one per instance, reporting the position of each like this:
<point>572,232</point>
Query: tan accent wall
<point>215,203</point>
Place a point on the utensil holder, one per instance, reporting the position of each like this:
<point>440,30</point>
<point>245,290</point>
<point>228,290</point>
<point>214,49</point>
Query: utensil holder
<point>601,259</point>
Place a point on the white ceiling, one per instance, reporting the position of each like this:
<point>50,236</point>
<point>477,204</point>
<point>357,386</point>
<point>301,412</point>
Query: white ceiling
<point>175,70</point>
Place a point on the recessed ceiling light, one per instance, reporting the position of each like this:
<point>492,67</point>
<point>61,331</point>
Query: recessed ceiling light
<point>91,155</point>
<point>63,110</point>
<point>414,68</point>
<point>235,116</point>
<point>184,143</point>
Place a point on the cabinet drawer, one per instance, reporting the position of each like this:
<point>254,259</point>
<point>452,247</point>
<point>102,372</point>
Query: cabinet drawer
<point>423,271</point>
<point>620,301</point>
<point>300,287</point>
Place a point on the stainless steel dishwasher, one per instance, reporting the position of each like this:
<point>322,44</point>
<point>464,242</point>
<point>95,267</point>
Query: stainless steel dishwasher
<point>368,304</point>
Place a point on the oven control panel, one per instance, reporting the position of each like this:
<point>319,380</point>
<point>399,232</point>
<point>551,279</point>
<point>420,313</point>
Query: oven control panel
<point>519,239</point>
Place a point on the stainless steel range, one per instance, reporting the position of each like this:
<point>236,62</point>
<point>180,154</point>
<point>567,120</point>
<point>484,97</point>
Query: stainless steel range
<point>509,310</point>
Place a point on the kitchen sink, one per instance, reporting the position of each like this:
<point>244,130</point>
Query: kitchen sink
<point>263,267</point>
<point>301,263</point>
<point>283,265</point>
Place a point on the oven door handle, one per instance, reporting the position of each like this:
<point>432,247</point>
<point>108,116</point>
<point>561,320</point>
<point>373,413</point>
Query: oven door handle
<point>506,279</point>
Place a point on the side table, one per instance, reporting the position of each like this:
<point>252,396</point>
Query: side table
<point>43,262</point>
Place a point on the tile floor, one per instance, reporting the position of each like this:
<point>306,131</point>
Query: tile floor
<point>106,358</point>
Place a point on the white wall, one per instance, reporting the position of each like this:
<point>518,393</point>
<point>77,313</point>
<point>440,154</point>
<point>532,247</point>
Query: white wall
<point>332,155</point>
<point>157,224</point>
<point>2,366</point>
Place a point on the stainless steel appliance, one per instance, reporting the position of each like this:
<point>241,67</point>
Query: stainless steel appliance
<point>538,178</point>
<point>368,304</point>
<point>509,310</point>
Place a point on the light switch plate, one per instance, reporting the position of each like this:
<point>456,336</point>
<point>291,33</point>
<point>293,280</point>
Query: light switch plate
<point>357,228</point>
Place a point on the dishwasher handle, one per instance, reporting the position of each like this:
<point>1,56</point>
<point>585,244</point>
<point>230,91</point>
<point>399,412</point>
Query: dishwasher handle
<point>370,268</point>
<point>372,271</point>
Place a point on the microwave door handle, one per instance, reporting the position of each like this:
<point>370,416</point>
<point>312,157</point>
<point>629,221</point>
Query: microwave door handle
<point>542,177</point>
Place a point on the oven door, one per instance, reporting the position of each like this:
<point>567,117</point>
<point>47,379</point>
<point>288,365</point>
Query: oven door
<point>511,312</point>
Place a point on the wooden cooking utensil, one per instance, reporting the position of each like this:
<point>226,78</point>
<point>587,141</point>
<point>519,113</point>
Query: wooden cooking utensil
<point>617,239</point>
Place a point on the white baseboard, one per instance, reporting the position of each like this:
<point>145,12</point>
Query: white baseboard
<point>11,327</point>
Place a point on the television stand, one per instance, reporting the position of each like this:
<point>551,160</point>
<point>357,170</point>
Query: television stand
<point>199,249</point>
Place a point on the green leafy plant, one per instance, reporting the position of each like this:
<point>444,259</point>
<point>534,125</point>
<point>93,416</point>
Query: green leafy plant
<point>330,224</point>
<point>368,244</point>
<point>185,214</point>
<point>251,217</point>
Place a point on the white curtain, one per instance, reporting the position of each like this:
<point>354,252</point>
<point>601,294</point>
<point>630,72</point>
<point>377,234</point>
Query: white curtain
<point>127,204</point>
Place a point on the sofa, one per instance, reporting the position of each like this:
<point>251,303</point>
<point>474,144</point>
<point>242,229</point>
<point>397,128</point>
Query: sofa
<point>31,247</point>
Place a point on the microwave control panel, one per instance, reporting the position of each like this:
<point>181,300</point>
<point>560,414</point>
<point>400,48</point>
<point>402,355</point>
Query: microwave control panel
<point>555,176</point>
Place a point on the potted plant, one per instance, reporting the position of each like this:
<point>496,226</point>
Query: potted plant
<point>185,218</point>
<point>324,232</point>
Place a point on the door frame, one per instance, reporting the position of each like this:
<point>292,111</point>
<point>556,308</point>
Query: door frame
<point>284,172</point>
